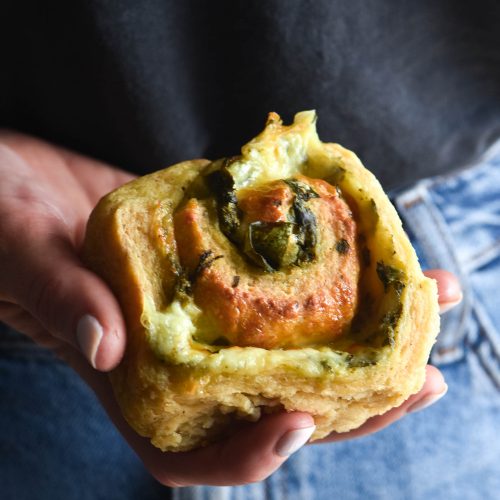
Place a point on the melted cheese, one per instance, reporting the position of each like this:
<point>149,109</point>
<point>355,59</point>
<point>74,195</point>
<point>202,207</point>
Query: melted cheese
<point>171,336</point>
<point>279,152</point>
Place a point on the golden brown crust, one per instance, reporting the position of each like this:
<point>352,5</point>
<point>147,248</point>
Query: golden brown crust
<point>185,399</point>
<point>262,310</point>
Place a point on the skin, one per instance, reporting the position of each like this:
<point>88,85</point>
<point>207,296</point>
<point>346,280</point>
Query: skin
<point>46,195</point>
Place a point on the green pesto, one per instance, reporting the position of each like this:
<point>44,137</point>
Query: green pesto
<point>302,191</point>
<point>183,286</point>
<point>393,281</point>
<point>271,246</point>
<point>389,323</point>
<point>391,277</point>
<point>306,226</point>
<point>222,185</point>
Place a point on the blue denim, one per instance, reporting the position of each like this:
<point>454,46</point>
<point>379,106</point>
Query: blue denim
<point>57,443</point>
<point>450,450</point>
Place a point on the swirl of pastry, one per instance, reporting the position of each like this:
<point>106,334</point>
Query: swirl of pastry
<point>291,278</point>
<point>279,279</point>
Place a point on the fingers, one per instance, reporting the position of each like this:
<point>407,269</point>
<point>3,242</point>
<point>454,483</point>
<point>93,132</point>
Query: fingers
<point>41,212</point>
<point>449,289</point>
<point>433,389</point>
<point>47,280</point>
<point>250,455</point>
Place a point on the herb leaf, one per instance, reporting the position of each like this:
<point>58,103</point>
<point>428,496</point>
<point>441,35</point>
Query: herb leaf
<point>305,220</point>
<point>388,325</point>
<point>390,276</point>
<point>183,286</point>
<point>270,245</point>
<point>302,191</point>
<point>273,242</point>
<point>206,260</point>
<point>222,185</point>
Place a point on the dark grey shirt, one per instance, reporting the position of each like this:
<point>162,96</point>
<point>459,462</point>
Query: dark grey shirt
<point>412,86</point>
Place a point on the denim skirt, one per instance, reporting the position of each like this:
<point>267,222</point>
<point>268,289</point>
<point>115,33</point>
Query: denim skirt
<point>57,443</point>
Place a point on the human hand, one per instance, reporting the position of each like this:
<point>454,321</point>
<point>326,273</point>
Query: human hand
<point>46,196</point>
<point>258,449</point>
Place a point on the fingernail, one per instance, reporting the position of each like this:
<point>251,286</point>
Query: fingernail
<point>427,401</point>
<point>89,335</point>
<point>291,441</point>
<point>447,306</point>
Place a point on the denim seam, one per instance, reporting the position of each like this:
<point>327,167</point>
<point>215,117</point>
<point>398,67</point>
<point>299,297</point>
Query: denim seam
<point>466,307</point>
<point>483,257</point>
<point>487,331</point>
<point>420,195</point>
<point>475,347</point>
<point>485,337</point>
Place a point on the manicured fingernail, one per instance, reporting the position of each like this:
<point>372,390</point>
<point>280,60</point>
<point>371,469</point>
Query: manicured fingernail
<point>89,334</point>
<point>447,306</point>
<point>291,441</point>
<point>427,401</point>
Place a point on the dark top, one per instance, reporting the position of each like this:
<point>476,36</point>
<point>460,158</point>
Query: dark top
<point>412,86</point>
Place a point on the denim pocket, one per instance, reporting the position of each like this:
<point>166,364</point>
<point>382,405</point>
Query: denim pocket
<point>454,223</point>
<point>483,336</point>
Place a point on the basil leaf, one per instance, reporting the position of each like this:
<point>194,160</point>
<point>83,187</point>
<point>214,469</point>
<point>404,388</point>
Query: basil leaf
<point>222,185</point>
<point>274,243</point>
<point>390,276</point>
<point>305,220</point>
<point>303,192</point>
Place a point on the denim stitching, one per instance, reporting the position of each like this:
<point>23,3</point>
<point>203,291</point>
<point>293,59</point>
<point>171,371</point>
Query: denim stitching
<point>488,331</point>
<point>446,240</point>
<point>484,257</point>
<point>407,201</point>
<point>476,348</point>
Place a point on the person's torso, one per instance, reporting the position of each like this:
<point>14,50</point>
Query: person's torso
<point>412,87</point>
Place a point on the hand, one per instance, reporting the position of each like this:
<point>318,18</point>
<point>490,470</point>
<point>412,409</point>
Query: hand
<point>46,195</point>
<point>260,448</point>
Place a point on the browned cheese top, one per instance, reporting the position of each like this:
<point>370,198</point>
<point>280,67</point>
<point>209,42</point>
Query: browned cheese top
<point>305,304</point>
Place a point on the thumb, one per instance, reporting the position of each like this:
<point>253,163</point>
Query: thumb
<point>250,455</point>
<point>70,302</point>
